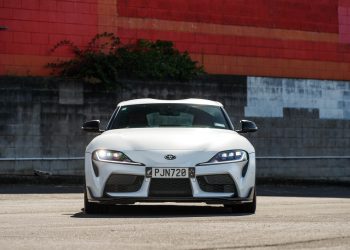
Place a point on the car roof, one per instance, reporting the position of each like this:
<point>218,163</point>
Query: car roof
<point>182,101</point>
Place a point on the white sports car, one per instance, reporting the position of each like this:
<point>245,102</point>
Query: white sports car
<point>170,151</point>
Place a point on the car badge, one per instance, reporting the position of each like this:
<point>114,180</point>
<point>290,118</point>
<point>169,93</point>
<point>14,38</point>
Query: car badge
<point>148,172</point>
<point>170,157</point>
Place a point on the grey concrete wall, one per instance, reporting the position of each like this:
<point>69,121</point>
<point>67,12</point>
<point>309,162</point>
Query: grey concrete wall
<point>41,117</point>
<point>330,98</point>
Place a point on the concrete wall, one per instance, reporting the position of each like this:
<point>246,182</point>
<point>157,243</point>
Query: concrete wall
<point>41,117</point>
<point>330,98</point>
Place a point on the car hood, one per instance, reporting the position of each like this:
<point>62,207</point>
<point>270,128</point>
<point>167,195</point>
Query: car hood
<point>147,139</point>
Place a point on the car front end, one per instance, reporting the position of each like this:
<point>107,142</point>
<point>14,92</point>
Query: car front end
<point>170,164</point>
<point>131,176</point>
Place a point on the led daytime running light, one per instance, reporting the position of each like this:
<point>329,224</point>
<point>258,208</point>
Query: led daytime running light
<point>112,156</point>
<point>227,156</point>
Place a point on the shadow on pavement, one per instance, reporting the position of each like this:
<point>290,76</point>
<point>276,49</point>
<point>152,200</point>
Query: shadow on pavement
<point>159,211</point>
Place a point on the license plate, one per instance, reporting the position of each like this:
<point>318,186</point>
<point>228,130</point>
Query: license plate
<point>170,172</point>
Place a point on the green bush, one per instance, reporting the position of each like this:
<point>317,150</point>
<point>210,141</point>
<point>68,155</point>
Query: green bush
<point>105,60</point>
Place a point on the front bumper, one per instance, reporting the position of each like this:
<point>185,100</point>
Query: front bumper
<point>244,185</point>
<point>132,200</point>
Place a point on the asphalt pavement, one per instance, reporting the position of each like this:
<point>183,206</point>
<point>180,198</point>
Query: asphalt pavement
<point>288,217</point>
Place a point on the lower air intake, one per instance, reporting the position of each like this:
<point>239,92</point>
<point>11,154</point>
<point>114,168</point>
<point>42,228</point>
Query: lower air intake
<point>170,188</point>
<point>219,183</point>
<point>123,183</point>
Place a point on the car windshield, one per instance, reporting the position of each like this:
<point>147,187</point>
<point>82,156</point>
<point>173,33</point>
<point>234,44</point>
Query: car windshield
<point>169,115</point>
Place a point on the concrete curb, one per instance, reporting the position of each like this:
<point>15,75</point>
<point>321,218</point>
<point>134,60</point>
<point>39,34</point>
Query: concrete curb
<point>42,180</point>
<point>296,182</point>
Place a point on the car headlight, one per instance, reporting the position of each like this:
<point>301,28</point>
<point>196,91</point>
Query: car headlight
<point>227,156</point>
<point>112,156</point>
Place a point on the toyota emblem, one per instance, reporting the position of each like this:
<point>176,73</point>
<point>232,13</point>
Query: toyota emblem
<point>170,157</point>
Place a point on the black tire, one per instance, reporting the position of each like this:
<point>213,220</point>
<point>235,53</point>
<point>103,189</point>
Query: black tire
<point>91,207</point>
<point>247,208</point>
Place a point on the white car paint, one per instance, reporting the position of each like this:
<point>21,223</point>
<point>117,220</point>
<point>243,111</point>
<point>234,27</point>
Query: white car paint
<point>198,139</point>
<point>148,146</point>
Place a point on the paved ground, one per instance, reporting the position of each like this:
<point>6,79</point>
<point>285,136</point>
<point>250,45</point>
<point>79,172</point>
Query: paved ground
<point>39,217</point>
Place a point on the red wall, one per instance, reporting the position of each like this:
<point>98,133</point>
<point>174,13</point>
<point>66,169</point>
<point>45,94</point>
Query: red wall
<point>290,38</point>
<point>288,14</point>
<point>34,26</point>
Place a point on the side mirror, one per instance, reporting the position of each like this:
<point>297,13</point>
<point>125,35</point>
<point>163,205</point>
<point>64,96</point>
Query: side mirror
<point>92,126</point>
<point>247,126</point>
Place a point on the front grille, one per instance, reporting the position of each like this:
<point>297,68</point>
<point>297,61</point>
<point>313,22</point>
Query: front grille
<point>170,188</point>
<point>219,183</point>
<point>121,183</point>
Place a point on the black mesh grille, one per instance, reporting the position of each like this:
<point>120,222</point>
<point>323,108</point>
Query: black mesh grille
<point>170,188</point>
<point>219,183</point>
<point>120,183</point>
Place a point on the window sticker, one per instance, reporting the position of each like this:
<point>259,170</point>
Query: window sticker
<point>219,125</point>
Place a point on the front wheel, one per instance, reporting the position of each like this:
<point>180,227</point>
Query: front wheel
<point>248,208</point>
<point>91,207</point>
